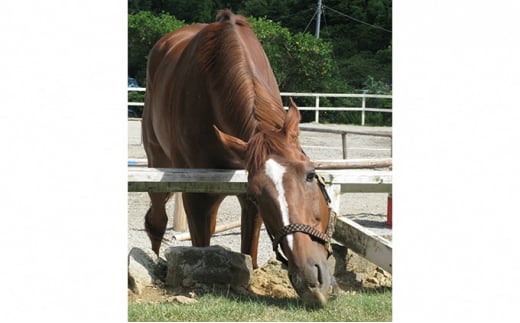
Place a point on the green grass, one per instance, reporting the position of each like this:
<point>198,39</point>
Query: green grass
<point>361,307</point>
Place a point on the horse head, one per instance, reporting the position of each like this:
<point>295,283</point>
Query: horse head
<point>283,185</point>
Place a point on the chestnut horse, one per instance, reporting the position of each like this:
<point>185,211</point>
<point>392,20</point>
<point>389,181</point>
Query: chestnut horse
<point>212,101</point>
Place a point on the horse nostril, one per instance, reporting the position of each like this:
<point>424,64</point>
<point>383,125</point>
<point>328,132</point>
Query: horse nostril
<point>319,275</point>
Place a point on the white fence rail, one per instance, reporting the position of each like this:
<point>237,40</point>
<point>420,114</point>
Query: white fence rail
<point>317,108</point>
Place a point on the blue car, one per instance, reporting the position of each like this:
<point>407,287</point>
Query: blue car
<point>132,82</point>
<point>133,114</point>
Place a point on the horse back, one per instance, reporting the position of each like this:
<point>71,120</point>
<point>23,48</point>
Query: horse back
<point>205,75</point>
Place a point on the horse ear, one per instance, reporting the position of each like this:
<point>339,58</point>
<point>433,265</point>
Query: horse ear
<point>292,120</point>
<point>234,145</point>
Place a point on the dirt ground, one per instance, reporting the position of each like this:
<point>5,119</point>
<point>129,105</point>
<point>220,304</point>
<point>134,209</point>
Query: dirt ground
<point>272,280</point>
<point>368,209</point>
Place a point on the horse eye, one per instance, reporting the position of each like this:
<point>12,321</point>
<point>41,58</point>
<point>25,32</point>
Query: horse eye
<point>310,176</point>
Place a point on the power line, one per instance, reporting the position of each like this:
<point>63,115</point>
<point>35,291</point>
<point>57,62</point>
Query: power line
<point>357,20</point>
<point>315,12</point>
<point>336,70</point>
<point>294,14</point>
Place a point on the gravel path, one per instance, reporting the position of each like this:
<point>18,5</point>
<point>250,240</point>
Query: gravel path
<point>368,209</point>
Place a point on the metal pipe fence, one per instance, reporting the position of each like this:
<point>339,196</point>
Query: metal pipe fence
<point>317,108</point>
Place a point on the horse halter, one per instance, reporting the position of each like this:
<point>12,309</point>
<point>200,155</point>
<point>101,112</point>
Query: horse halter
<point>324,238</point>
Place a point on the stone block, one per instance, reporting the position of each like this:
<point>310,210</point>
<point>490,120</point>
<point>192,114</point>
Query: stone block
<point>188,266</point>
<point>144,269</point>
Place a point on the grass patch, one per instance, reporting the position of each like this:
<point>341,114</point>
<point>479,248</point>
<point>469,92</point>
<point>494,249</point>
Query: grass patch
<point>364,306</point>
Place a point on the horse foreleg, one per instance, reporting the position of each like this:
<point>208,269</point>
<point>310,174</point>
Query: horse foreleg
<point>155,220</point>
<point>201,213</point>
<point>251,223</point>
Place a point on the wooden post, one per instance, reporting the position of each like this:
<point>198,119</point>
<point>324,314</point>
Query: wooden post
<point>364,242</point>
<point>179,215</point>
<point>389,211</point>
<point>220,228</point>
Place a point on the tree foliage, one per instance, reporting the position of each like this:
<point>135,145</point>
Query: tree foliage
<point>359,31</point>
<point>144,29</point>
<point>300,62</point>
<point>354,50</point>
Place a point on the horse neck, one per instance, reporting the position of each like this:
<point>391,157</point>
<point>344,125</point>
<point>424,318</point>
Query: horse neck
<point>260,113</point>
<point>244,86</point>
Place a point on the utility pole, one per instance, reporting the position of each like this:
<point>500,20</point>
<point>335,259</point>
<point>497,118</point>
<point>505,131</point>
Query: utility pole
<point>318,20</point>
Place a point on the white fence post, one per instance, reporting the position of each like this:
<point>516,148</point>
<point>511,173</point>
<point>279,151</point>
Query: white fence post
<point>363,106</point>
<point>317,115</point>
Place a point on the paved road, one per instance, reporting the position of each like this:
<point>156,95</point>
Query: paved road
<point>368,209</point>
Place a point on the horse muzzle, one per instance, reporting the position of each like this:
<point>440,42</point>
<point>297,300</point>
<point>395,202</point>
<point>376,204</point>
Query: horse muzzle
<point>308,267</point>
<point>312,280</point>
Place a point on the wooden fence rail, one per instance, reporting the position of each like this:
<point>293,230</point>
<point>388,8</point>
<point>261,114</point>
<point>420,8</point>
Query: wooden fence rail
<point>144,179</point>
<point>352,235</point>
<point>341,132</point>
<point>318,164</point>
<point>364,242</point>
<point>344,134</point>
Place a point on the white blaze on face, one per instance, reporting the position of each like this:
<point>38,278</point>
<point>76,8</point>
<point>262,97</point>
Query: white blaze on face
<point>275,172</point>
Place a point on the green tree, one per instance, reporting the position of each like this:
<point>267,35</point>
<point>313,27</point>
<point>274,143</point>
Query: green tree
<point>292,14</point>
<point>135,6</point>
<point>191,11</point>
<point>349,55</point>
<point>373,86</point>
<point>144,29</point>
<point>359,30</point>
<point>200,11</point>
<point>300,62</point>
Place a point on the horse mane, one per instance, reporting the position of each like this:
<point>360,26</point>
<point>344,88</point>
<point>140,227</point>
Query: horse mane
<point>256,110</point>
<point>224,57</point>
